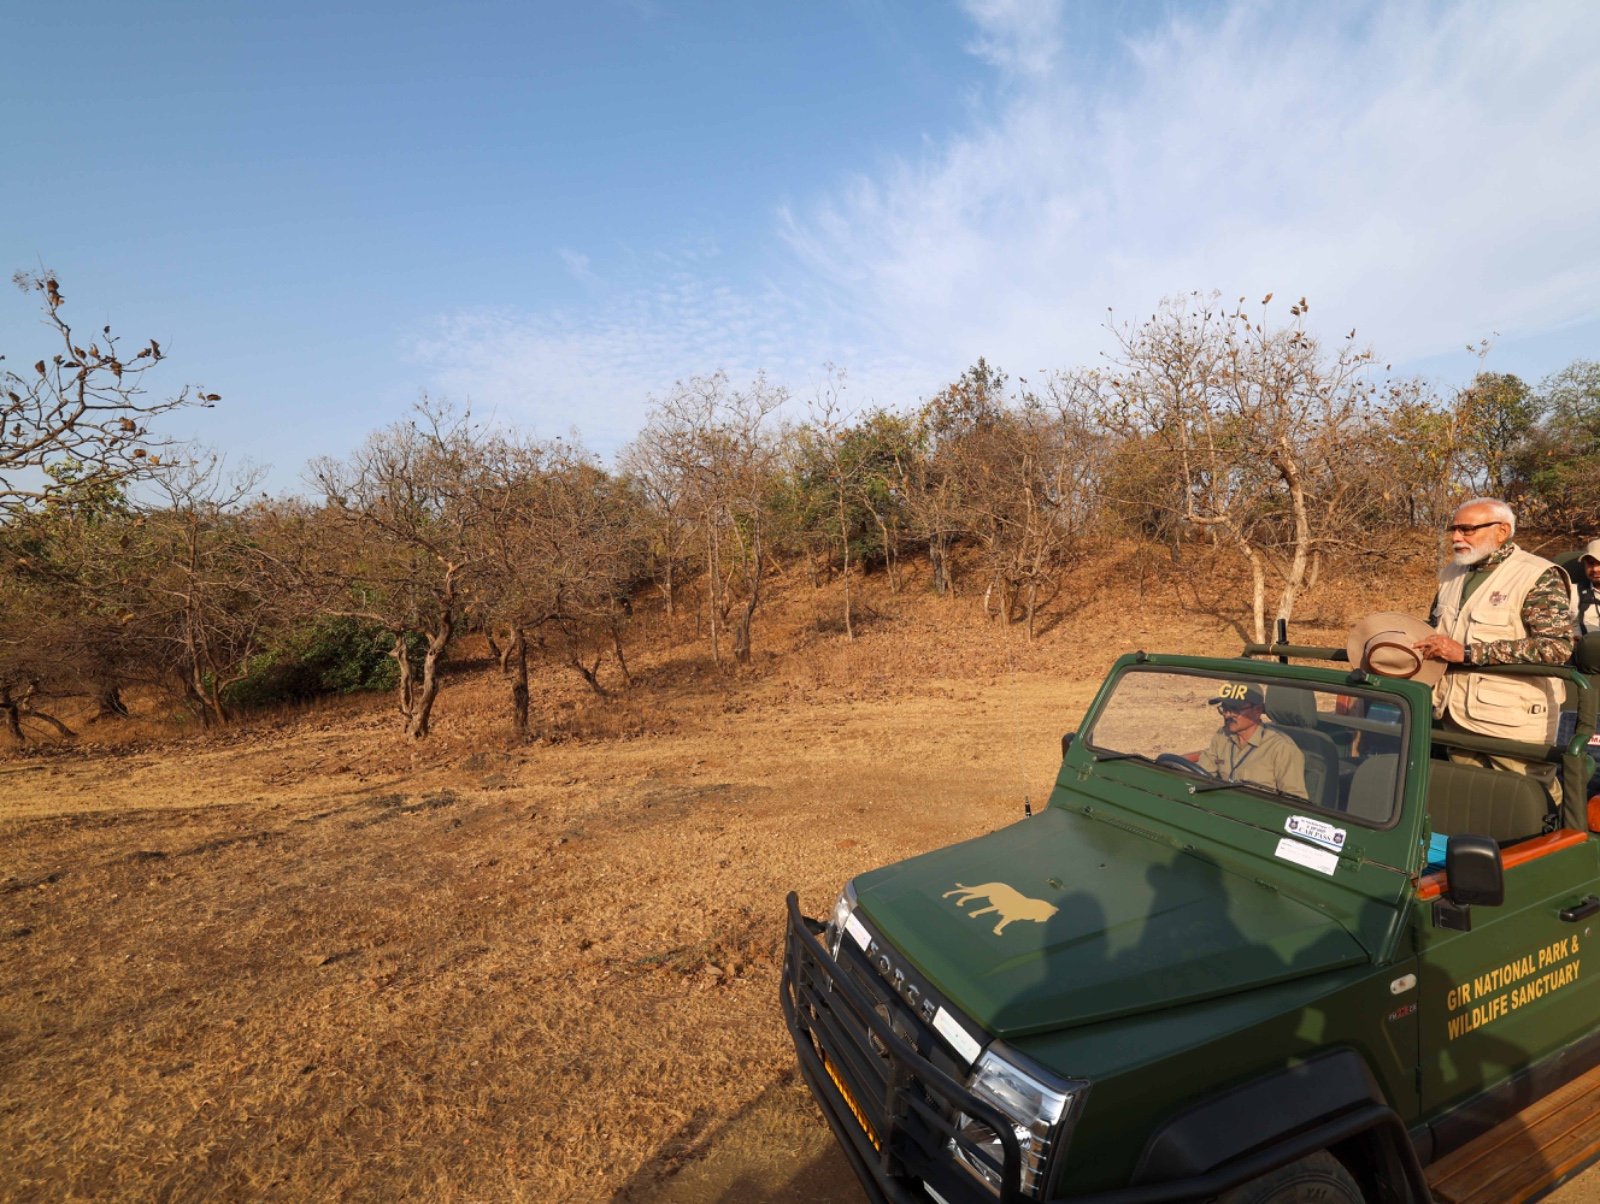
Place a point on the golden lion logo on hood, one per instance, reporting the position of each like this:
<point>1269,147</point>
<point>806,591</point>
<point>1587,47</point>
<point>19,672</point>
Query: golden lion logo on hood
<point>1012,904</point>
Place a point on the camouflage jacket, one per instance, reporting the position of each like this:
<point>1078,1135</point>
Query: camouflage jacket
<point>1546,613</point>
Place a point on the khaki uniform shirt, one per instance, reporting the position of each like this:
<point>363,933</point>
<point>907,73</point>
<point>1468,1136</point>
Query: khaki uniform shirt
<point>1267,758</point>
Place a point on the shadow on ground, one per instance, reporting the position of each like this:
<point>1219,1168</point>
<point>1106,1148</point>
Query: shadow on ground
<point>775,1150</point>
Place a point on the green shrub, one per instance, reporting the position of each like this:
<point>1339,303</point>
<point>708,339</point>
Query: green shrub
<point>330,656</point>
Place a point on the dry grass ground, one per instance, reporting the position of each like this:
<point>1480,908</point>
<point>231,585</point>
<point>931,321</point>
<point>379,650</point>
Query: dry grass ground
<point>308,961</point>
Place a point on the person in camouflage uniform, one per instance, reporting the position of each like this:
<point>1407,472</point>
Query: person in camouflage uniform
<point>1499,605</point>
<point>1589,589</point>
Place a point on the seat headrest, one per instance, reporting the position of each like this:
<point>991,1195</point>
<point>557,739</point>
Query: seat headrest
<point>1293,705</point>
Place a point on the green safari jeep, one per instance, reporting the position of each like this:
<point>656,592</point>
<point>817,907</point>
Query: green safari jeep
<point>1171,986</point>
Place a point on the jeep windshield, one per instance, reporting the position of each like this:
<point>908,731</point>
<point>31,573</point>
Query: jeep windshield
<point>1300,744</point>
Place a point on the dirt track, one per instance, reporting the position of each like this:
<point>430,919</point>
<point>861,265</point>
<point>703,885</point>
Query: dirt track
<point>535,976</point>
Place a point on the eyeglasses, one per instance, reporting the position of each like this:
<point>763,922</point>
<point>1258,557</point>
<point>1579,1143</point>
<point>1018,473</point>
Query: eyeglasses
<point>1228,710</point>
<point>1468,528</point>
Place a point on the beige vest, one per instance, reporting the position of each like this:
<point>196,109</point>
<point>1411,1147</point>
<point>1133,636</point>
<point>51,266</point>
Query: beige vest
<point>1509,707</point>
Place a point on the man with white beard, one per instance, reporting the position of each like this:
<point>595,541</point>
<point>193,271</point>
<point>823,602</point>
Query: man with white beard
<point>1499,605</point>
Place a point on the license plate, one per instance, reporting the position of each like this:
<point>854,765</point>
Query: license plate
<point>850,1102</point>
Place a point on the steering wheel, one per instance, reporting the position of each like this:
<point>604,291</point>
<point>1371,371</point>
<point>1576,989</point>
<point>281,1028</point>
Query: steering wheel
<point>1174,761</point>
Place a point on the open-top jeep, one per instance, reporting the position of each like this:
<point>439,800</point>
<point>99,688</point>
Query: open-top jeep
<point>1169,986</point>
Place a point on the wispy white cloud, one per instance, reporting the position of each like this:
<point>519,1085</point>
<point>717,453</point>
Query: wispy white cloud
<point>1017,37</point>
<point>594,366</point>
<point>1427,174</point>
<point>578,266</point>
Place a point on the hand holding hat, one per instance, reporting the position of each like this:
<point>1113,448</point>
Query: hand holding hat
<point>1386,644</point>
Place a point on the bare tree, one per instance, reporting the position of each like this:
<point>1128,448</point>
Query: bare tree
<point>1405,469</point>
<point>717,446</point>
<point>82,404</point>
<point>214,592</point>
<point>1247,421</point>
<point>561,547</point>
<point>1034,492</point>
<point>408,500</point>
<point>668,523</point>
<point>946,460</point>
<point>826,442</point>
<point>73,589</point>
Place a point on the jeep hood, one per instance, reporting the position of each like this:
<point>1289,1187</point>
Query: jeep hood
<point>1094,921</point>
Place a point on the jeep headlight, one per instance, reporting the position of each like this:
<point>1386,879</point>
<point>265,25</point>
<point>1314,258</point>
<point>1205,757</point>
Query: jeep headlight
<point>843,908</point>
<point>1041,1109</point>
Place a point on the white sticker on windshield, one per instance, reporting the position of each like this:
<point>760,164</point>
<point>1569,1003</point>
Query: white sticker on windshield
<point>1307,855</point>
<point>960,1040</point>
<point>857,930</point>
<point>1316,831</point>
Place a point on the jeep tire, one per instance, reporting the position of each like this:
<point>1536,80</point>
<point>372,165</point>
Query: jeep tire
<point>1318,1178</point>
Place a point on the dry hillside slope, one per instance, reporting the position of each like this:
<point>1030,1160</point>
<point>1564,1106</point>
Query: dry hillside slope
<point>306,960</point>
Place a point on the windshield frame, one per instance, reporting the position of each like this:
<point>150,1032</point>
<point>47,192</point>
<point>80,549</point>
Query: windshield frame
<point>1266,673</point>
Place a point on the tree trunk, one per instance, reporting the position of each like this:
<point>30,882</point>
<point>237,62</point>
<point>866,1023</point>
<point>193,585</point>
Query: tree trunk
<point>589,673</point>
<point>888,553</point>
<point>713,588</point>
<point>110,704</point>
<point>938,560</point>
<point>515,661</point>
<point>844,540</point>
<point>1258,577</point>
<point>616,647</point>
<point>429,690</point>
<point>405,690</point>
<point>741,635</point>
<point>13,715</point>
<point>209,692</point>
<point>196,701</point>
<point>1289,470</point>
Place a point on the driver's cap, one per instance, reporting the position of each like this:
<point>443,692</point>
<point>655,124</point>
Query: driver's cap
<point>1240,694</point>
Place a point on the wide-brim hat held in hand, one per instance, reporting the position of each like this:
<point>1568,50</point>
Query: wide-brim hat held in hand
<point>1382,643</point>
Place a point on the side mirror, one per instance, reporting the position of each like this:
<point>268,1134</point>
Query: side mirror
<point>1472,865</point>
<point>1066,743</point>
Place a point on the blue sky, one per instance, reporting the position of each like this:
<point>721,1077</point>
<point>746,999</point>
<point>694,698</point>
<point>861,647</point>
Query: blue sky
<point>553,211</point>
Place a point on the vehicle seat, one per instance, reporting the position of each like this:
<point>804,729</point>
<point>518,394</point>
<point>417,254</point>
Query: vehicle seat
<point>1293,712</point>
<point>1322,764</point>
<point>1496,803</point>
<point>1372,788</point>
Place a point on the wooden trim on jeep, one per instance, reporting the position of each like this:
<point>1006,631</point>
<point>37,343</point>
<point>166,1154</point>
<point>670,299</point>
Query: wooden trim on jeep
<point>1431,886</point>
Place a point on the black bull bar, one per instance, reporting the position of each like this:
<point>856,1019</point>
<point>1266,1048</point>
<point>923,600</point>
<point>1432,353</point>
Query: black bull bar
<point>893,1111</point>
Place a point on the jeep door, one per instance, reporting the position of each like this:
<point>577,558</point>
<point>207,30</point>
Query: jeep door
<point>1518,986</point>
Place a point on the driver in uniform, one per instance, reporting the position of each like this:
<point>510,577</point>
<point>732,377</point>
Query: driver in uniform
<point>1246,750</point>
